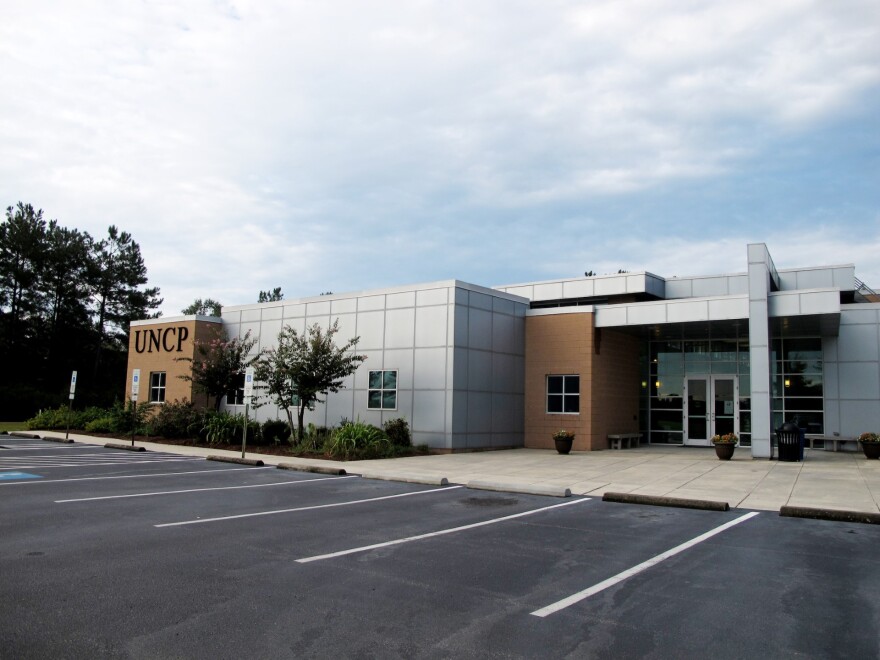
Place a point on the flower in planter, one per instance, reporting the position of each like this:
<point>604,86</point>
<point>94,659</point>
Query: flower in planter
<point>726,439</point>
<point>562,434</point>
<point>869,437</point>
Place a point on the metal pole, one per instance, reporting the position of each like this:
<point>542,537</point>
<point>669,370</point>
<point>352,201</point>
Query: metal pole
<point>69,410</point>
<point>133,410</point>
<point>244,430</point>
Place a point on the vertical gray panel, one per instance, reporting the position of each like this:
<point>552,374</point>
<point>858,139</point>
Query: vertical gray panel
<point>398,300</point>
<point>858,343</point>
<point>339,405</point>
<point>432,297</point>
<point>460,412</point>
<point>431,326</point>
<point>404,407</point>
<point>503,333</point>
<point>400,328</point>
<point>859,381</point>
<point>429,371</point>
<point>461,318</point>
<point>347,328</point>
<point>479,417</point>
<point>856,417</point>
<point>402,360</point>
<point>480,300</point>
<point>460,370</point>
<point>429,411</point>
<point>503,373</point>
<point>479,329</point>
<point>759,350</point>
<point>371,330</point>
<point>479,371</point>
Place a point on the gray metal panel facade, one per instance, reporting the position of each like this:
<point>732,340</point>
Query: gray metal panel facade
<point>852,372</point>
<point>458,350</point>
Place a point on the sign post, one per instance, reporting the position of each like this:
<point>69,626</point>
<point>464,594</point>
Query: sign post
<point>248,393</point>
<point>70,403</point>
<point>135,390</point>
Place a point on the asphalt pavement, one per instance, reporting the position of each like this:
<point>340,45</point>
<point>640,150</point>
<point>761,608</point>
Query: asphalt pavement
<point>824,480</point>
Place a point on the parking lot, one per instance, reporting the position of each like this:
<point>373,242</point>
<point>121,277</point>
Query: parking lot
<point>108,553</point>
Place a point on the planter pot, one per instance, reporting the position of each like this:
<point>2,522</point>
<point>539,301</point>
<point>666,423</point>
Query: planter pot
<point>724,450</point>
<point>563,445</point>
<point>871,449</point>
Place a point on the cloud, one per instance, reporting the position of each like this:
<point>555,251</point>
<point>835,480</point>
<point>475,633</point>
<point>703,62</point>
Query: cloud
<point>310,145</point>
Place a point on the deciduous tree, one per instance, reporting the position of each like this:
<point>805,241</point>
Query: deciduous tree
<point>218,363</point>
<point>305,365</point>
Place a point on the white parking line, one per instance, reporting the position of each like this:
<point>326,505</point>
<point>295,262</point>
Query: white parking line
<point>131,476</point>
<point>202,490</point>
<point>444,489</point>
<point>43,447</point>
<point>635,570</point>
<point>441,532</point>
<point>45,466</point>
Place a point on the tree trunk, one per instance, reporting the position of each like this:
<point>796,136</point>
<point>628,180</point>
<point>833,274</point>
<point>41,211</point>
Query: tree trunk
<point>300,414</point>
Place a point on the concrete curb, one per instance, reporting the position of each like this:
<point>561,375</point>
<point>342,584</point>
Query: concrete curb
<point>429,481</point>
<point>32,436</point>
<point>525,489</point>
<point>659,500</point>
<point>67,441</point>
<point>318,469</point>
<point>115,445</point>
<point>233,459</point>
<point>830,514</point>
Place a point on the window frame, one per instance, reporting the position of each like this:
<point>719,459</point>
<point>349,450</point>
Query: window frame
<point>382,389</point>
<point>237,392</point>
<point>562,395</point>
<point>159,388</point>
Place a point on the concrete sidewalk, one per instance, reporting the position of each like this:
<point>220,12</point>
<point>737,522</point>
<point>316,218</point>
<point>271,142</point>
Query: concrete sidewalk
<point>829,480</point>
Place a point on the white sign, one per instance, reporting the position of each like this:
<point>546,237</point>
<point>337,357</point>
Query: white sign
<point>249,382</point>
<point>135,384</point>
<point>72,385</point>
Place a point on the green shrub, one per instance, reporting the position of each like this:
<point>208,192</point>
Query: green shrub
<point>224,428</point>
<point>129,417</point>
<point>275,432</point>
<point>100,425</point>
<point>178,419</point>
<point>49,420</point>
<point>398,433</point>
<point>358,440</point>
<point>220,428</point>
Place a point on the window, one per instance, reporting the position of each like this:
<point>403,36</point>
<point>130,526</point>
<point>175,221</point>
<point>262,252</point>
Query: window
<point>383,390</point>
<point>157,387</point>
<point>235,396</point>
<point>563,394</point>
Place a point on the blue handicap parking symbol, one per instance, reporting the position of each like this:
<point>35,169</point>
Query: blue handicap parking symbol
<point>9,476</point>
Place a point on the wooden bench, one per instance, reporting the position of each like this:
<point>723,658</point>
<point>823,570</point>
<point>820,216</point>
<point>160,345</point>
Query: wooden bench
<point>624,440</point>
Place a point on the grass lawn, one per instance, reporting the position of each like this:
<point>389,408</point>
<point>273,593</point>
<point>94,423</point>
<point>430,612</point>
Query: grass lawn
<point>13,426</point>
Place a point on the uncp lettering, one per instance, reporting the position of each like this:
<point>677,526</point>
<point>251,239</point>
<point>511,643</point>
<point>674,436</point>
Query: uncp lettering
<point>159,339</point>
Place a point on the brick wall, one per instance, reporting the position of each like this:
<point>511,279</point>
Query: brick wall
<point>557,344</point>
<point>614,391</point>
<point>566,343</point>
<point>156,351</point>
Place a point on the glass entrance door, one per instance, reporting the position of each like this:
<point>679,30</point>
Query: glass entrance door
<point>711,407</point>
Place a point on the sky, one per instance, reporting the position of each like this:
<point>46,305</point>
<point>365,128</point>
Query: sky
<point>341,145</point>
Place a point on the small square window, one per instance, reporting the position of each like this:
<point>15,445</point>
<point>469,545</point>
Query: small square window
<point>382,394</point>
<point>564,394</point>
<point>157,387</point>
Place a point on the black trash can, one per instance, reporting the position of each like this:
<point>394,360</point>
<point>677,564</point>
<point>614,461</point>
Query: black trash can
<point>789,439</point>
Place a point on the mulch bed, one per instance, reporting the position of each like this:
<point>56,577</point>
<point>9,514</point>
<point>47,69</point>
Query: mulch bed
<point>274,450</point>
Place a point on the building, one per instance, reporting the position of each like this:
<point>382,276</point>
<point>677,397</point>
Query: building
<point>677,359</point>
